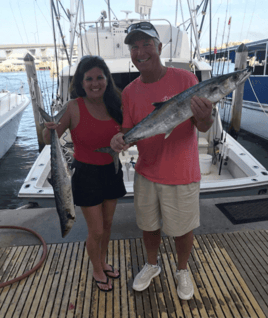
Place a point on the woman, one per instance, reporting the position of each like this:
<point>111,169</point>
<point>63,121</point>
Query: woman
<point>93,119</point>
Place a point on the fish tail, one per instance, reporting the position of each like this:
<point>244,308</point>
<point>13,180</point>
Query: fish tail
<point>113,153</point>
<point>45,115</point>
<point>55,118</point>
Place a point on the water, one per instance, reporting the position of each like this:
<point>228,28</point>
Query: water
<point>17,162</point>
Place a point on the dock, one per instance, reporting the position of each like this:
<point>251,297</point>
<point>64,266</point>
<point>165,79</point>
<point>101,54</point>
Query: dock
<point>228,266</point>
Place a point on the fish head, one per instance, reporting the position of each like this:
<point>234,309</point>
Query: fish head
<point>223,85</point>
<point>237,78</point>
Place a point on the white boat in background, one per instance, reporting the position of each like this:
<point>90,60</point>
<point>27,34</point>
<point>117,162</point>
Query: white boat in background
<point>227,168</point>
<point>12,105</point>
<point>254,117</point>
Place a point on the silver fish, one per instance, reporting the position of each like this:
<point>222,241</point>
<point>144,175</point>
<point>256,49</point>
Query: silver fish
<point>169,114</point>
<point>60,178</point>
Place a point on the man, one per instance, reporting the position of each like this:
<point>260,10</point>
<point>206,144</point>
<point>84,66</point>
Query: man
<point>167,177</point>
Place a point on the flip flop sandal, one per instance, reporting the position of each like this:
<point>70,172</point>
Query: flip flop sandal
<point>103,283</point>
<point>111,271</point>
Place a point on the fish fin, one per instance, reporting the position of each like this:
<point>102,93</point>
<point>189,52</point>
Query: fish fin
<point>168,133</point>
<point>158,105</point>
<point>114,154</point>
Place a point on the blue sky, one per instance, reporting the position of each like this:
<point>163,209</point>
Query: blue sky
<point>29,21</point>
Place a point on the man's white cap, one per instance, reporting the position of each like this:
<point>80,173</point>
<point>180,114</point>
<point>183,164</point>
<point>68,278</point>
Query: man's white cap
<point>144,27</point>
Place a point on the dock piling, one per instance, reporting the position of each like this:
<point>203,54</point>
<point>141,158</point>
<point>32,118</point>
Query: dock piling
<point>36,96</point>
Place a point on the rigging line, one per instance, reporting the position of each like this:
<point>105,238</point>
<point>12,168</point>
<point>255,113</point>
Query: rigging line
<point>196,14</point>
<point>82,48</point>
<point>46,87</point>
<point>243,19</point>
<point>176,12</point>
<point>211,20</point>
<point>80,28</point>
<point>215,48</point>
<point>23,22</point>
<point>43,14</point>
<point>202,21</point>
<point>58,10</point>
<point>251,18</point>
<point>182,16</point>
<point>36,22</point>
<point>257,97</point>
<point>16,21</point>
<point>62,37</point>
<point>75,26</point>
<point>67,15</point>
<point>225,54</point>
<point>55,43</point>
<point>86,42</point>
<point>203,17</point>
<point>111,10</point>
<point>223,31</point>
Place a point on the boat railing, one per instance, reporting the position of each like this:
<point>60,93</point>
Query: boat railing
<point>126,24</point>
<point>6,98</point>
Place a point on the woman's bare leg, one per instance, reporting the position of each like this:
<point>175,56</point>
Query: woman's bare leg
<point>108,209</point>
<point>94,218</point>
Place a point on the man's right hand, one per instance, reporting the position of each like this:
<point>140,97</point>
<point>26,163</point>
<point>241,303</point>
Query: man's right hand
<point>117,143</point>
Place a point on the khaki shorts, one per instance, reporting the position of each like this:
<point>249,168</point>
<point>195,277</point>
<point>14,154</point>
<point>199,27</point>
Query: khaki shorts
<point>177,206</point>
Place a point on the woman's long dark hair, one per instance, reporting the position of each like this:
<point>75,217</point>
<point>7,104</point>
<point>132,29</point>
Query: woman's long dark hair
<point>112,94</point>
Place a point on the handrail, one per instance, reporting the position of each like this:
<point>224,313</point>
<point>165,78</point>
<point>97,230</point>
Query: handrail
<point>18,91</point>
<point>126,21</point>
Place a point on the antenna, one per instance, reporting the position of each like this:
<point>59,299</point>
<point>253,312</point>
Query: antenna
<point>127,13</point>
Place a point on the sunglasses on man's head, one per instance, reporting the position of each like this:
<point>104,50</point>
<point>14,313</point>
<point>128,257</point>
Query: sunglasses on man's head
<point>142,26</point>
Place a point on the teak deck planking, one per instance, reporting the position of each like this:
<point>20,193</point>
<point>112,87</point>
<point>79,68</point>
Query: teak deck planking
<point>229,272</point>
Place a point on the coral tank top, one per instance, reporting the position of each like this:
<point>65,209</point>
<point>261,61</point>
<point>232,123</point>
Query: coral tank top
<point>91,134</point>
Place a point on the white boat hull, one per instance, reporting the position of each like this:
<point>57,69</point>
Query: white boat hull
<point>10,115</point>
<point>240,175</point>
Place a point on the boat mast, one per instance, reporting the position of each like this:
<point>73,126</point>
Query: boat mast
<point>193,20</point>
<point>109,14</point>
<point>183,22</point>
<point>75,4</point>
<point>210,28</point>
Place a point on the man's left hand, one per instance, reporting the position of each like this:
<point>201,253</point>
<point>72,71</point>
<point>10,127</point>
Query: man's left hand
<point>201,108</point>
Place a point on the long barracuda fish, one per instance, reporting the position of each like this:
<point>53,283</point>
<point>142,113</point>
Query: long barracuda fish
<point>60,178</point>
<point>169,114</point>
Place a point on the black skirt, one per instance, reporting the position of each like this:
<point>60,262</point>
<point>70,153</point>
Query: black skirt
<point>92,184</point>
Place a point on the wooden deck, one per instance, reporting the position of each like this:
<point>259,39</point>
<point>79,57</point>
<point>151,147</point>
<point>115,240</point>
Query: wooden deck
<point>229,271</point>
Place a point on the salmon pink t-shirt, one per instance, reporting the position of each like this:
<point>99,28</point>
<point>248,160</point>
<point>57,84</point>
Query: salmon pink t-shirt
<point>91,134</point>
<point>174,160</point>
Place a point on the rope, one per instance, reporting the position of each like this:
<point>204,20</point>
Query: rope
<point>257,98</point>
<point>251,19</point>
<point>243,19</point>
<point>16,22</point>
<point>28,273</point>
<point>23,22</point>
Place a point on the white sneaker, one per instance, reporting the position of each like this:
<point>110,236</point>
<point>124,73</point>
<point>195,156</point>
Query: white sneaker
<point>185,287</point>
<point>144,277</point>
